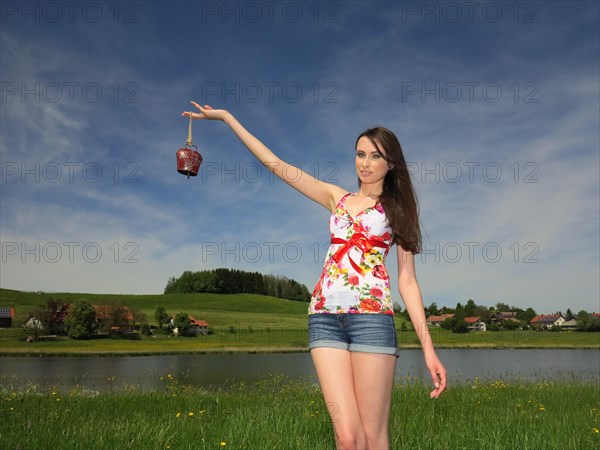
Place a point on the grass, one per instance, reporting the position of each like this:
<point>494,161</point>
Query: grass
<point>279,413</point>
<point>243,322</point>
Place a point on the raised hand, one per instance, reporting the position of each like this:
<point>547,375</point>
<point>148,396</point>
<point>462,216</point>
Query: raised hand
<point>206,112</point>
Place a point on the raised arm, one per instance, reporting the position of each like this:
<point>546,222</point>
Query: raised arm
<point>411,296</point>
<point>325,194</point>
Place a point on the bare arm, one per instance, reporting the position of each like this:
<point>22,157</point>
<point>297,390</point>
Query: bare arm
<point>411,295</point>
<point>325,194</point>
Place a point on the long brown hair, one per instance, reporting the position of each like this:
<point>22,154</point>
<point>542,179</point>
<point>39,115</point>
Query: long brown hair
<point>398,198</point>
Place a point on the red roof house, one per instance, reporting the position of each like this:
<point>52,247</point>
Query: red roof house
<point>475,323</point>
<point>437,320</point>
<point>547,320</point>
<point>197,326</point>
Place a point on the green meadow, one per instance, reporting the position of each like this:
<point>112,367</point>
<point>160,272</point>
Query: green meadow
<point>278,413</point>
<point>241,322</point>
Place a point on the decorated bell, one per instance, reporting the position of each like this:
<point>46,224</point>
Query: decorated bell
<point>189,160</point>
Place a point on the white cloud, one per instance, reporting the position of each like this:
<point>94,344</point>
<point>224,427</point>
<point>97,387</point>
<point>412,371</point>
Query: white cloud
<point>174,221</point>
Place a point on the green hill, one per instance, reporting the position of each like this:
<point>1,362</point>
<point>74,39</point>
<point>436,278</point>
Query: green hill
<point>216,309</point>
<point>243,322</point>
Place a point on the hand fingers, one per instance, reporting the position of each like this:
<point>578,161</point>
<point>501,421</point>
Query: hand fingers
<point>201,115</point>
<point>435,378</point>
<point>442,380</point>
<point>202,108</point>
<point>439,381</point>
<point>193,115</point>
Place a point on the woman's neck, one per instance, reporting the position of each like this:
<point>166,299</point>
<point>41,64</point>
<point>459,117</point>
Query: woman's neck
<point>372,192</point>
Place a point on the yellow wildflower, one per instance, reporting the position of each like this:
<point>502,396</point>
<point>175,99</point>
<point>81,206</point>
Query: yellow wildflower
<point>223,443</point>
<point>595,430</point>
<point>178,414</point>
<point>191,413</point>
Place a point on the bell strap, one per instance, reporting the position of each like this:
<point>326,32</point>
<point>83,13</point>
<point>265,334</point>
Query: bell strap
<point>189,142</point>
<point>360,241</point>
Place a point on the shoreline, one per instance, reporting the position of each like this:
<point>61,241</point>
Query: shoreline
<point>267,350</point>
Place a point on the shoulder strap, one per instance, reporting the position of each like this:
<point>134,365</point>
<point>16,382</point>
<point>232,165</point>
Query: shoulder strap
<point>342,201</point>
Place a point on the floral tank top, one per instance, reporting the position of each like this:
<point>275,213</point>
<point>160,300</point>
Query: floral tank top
<point>354,278</point>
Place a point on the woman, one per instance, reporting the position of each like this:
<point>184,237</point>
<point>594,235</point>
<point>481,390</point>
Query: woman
<point>352,338</point>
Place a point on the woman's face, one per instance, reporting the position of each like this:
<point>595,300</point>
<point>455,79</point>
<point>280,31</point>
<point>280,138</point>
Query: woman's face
<point>371,168</point>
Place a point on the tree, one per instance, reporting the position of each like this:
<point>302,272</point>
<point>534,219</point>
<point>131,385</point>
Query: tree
<point>80,323</point>
<point>502,307</point>
<point>145,329</point>
<point>470,308</point>
<point>459,326</point>
<point>459,312</point>
<point>588,322</point>
<point>483,313</point>
<point>569,314</point>
<point>171,285</point>
<point>53,315</point>
<point>228,281</point>
<point>182,322</point>
<point>511,325</point>
<point>447,323</point>
<point>161,316</point>
<point>139,316</point>
<point>526,315</point>
<point>432,309</point>
<point>118,314</point>
<point>49,318</point>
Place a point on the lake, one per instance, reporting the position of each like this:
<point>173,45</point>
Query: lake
<point>215,370</point>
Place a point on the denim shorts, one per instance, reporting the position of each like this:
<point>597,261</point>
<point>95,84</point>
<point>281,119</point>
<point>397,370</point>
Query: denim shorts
<point>372,333</point>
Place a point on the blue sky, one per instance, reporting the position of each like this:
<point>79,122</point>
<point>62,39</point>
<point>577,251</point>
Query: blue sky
<point>496,106</point>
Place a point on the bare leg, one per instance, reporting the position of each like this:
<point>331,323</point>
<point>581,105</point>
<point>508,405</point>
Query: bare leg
<point>373,383</point>
<point>336,377</point>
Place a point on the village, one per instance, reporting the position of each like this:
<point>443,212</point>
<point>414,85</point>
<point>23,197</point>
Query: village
<point>502,319</point>
<point>53,319</point>
<point>107,320</point>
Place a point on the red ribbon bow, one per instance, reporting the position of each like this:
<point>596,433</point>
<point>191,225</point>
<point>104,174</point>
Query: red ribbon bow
<point>360,241</point>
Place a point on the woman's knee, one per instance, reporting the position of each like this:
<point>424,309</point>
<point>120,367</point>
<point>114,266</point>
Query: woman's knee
<point>377,438</point>
<point>351,438</point>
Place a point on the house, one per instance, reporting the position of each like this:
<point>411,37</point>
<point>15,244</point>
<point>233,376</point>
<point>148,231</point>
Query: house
<point>437,320</point>
<point>569,324</point>
<point>547,320</point>
<point>501,316</point>
<point>197,327</point>
<point>475,324</point>
<point>6,317</point>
